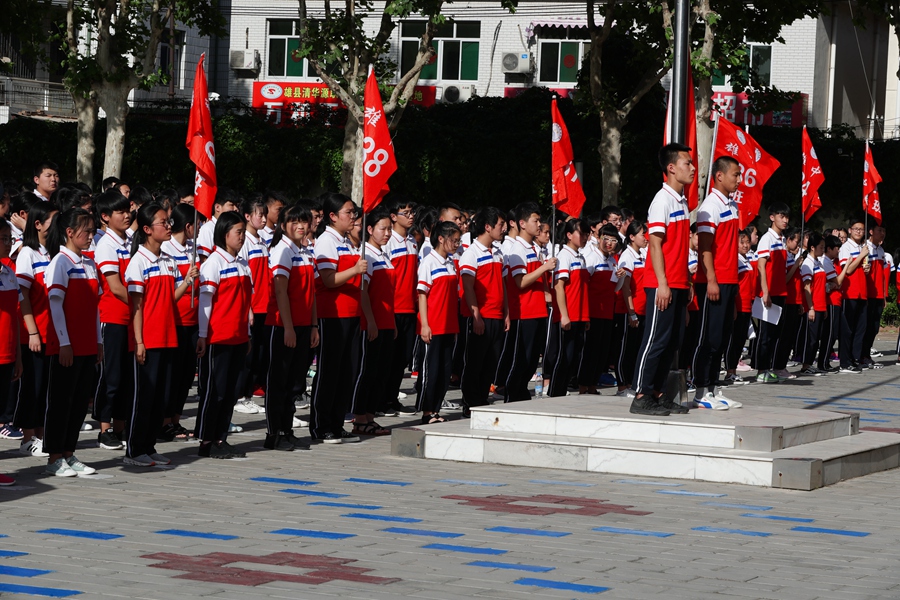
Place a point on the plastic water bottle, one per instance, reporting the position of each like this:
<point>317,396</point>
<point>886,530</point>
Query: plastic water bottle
<point>538,390</point>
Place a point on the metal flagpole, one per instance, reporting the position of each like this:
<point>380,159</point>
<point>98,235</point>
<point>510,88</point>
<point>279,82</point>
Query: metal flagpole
<point>194,253</point>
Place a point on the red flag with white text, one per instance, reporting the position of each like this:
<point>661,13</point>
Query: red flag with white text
<point>200,144</point>
<point>871,179</point>
<point>567,193</point>
<point>379,162</point>
<point>691,192</point>
<point>813,178</point>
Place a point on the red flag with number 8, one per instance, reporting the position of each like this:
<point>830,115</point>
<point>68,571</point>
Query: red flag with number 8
<point>378,150</point>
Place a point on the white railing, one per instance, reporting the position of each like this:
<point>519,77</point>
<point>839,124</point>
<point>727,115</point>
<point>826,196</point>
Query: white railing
<point>31,95</point>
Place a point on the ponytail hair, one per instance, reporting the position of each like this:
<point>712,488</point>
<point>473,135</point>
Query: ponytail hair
<point>184,215</point>
<point>75,219</point>
<point>145,216</point>
<point>815,238</point>
<point>38,212</point>
<point>332,202</point>
<point>296,212</point>
<point>634,228</point>
<point>570,226</point>
<point>444,229</point>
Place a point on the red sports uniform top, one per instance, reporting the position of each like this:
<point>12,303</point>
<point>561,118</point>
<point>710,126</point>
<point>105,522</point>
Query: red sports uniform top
<point>112,256</point>
<point>438,281</point>
<point>9,314</point>
<point>601,287</point>
<point>813,271</point>
<point>526,303</point>
<point>229,281</point>
<point>405,260</point>
<point>668,215</point>
<point>718,215</point>
<point>31,266</point>
<point>379,278</point>
<point>205,237</point>
<point>333,252</point>
<point>771,247</point>
<point>156,277</point>
<point>256,253</point>
<point>74,279</point>
<point>187,314</point>
<point>746,285</point>
<point>855,286</point>
<point>485,265</point>
<point>794,285</point>
<point>288,260</point>
<point>835,297</point>
<point>571,267</point>
<point>632,263</point>
<point>875,281</point>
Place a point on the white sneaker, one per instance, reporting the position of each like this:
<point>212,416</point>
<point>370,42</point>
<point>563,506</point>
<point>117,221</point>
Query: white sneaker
<point>86,426</point>
<point>722,398</point>
<point>160,459</point>
<point>259,409</point>
<point>60,468</point>
<point>710,401</point>
<point>784,374</point>
<point>450,405</point>
<point>143,460</point>
<point>401,395</point>
<point>79,467</point>
<point>33,447</point>
<point>246,406</point>
<point>232,428</point>
<point>629,393</point>
<point>299,423</point>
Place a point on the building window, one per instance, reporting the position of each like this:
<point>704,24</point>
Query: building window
<point>170,56</point>
<point>284,40</point>
<point>456,44</point>
<point>761,63</point>
<point>559,61</point>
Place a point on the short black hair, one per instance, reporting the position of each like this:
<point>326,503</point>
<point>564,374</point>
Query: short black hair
<point>779,208</point>
<point>489,215</point>
<point>832,242</point>
<point>224,224</point>
<point>722,164</point>
<point>110,201</point>
<point>668,154</point>
<point>47,164</point>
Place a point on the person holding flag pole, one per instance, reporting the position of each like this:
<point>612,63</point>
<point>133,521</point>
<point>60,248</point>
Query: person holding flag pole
<point>567,194</point>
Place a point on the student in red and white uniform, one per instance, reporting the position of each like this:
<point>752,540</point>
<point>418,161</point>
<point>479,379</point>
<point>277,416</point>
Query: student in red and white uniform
<point>484,305</point>
<point>226,288</point>
<point>292,322</point>
<point>10,347</point>
<point>275,203</point>
<point>815,303</point>
<point>438,318</point>
<point>340,272</point>
<point>403,254</point>
<point>631,284</point>
<point>504,366</point>
<point>772,269</point>
<point>853,260</point>
<point>743,306</point>
<point>180,248</point>
<point>35,333</point>
<point>571,312</point>
<point>115,390</point>
<point>793,304</point>
<point>526,285</point>
<point>666,282</point>
<point>600,262</point>
<point>76,346</point>
<point>251,381</point>
<point>376,343</point>
<point>835,281</point>
<point>876,293</point>
<point>225,201</point>
<point>155,285</point>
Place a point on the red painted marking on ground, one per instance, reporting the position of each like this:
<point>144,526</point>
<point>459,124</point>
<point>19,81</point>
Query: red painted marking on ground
<point>563,504</point>
<point>883,429</point>
<point>213,568</point>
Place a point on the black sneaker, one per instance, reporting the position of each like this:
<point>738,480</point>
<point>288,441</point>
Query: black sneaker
<point>278,442</point>
<point>329,438</point>
<point>211,450</point>
<point>123,437</point>
<point>232,451</point>
<point>109,440</point>
<point>673,407</point>
<point>295,441</point>
<point>167,433</point>
<point>646,405</point>
<point>348,438</point>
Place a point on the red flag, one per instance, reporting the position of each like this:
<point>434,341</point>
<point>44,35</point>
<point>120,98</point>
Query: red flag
<point>567,193</point>
<point>813,178</point>
<point>756,166</point>
<point>691,192</point>
<point>200,143</point>
<point>378,160</point>
<point>871,179</point>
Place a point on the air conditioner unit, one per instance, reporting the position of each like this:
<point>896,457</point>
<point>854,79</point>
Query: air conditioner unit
<point>244,60</point>
<point>517,62</point>
<point>455,94</point>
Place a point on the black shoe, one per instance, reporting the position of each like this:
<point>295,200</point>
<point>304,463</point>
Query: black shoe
<point>109,440</point>
<point>232,451</point>
<point>466,412</point>
<point>278,442</point>
<point>348,438</point>
<point>214,450</point>
<point>295,441</point>
<point>167,433</point>
<point>328,438</point>
<point>673,407</point>
<point>399,408</point>
<point>646,405</point>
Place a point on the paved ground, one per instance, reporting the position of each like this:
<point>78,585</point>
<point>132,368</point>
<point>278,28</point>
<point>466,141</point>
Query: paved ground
<point>355,522</point>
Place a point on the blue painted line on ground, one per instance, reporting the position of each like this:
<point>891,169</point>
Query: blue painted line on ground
<point>659,534</point>
<point>11,554</point>
<point>463,482</point>
<point>91,535</point>
<point>797,397</point>
<point>3,535</point>
<point>13,588</point>
<point>687,493</point>
<point>197,534</point>
<point>561,585</point>
<point>346,505</point>
<point>487,564</point>
<point>851,398</point>
<point>377,481</point>
<point>21,571</point>
<point>831,531</point>
<point>390,518</point>
<point>556,482</point>
<point>740,506</point>
<point>325,535</point>
<point>875,420</point>
<point>647,482</point>
<point>893,399</point>
<point>737,531</point>
<point>284,481</point>
<point>425,532</point>
<point>778,518</point>
<point>313,493</point>
<point>525,531</point>
<point>465,549</point>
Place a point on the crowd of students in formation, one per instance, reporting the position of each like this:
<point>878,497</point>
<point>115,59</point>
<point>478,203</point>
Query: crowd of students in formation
<point>106,304</point>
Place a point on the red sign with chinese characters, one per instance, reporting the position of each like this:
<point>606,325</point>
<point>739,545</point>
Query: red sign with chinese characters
<point>736,108</point>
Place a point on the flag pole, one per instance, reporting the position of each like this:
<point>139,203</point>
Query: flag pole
<point>194,252</point>
<point>712,152</point>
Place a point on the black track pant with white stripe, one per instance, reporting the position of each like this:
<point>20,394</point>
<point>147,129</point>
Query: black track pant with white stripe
<point>68,395</point>
<point>563,355</point>
<point>184,368</point>
<point>153,384</point>
<point>335,375</point>
<point>874,308</point>
<point>508,349</point>
<point>401,357</point>
<point>787,340</point>
<point>285,366</point>
<point>767,340</point>
<point>597,352</point>
<point>481,360</point>
<point>663,331</point>
<point>31,389</point>
<point>530,340</point>
<point>219,369</point>
<point>716,322</point>
<point>436,367</point>
<point>115,389</point>
<point>831,333</point>
<point>736,342</point>
<point>808,338</point>
<point>374,368</point>
<point>631,341</point>
<point>853,330</point>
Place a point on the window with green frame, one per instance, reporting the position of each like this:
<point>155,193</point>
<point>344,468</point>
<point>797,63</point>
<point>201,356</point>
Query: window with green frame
<point>283,40</point>
<point>457,46</point>
<point>560,60</point>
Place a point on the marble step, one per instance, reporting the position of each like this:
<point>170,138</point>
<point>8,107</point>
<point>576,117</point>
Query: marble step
<point>748,428</point>
<point>805,467</point>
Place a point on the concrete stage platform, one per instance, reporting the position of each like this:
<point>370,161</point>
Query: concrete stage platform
<point>773,447</point>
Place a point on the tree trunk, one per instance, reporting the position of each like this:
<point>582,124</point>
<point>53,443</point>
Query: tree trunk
<point>114,101</point>
<point>610,149</point>
<point>86,109</point>
<point>351,152</point>
<point>705,128</point>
